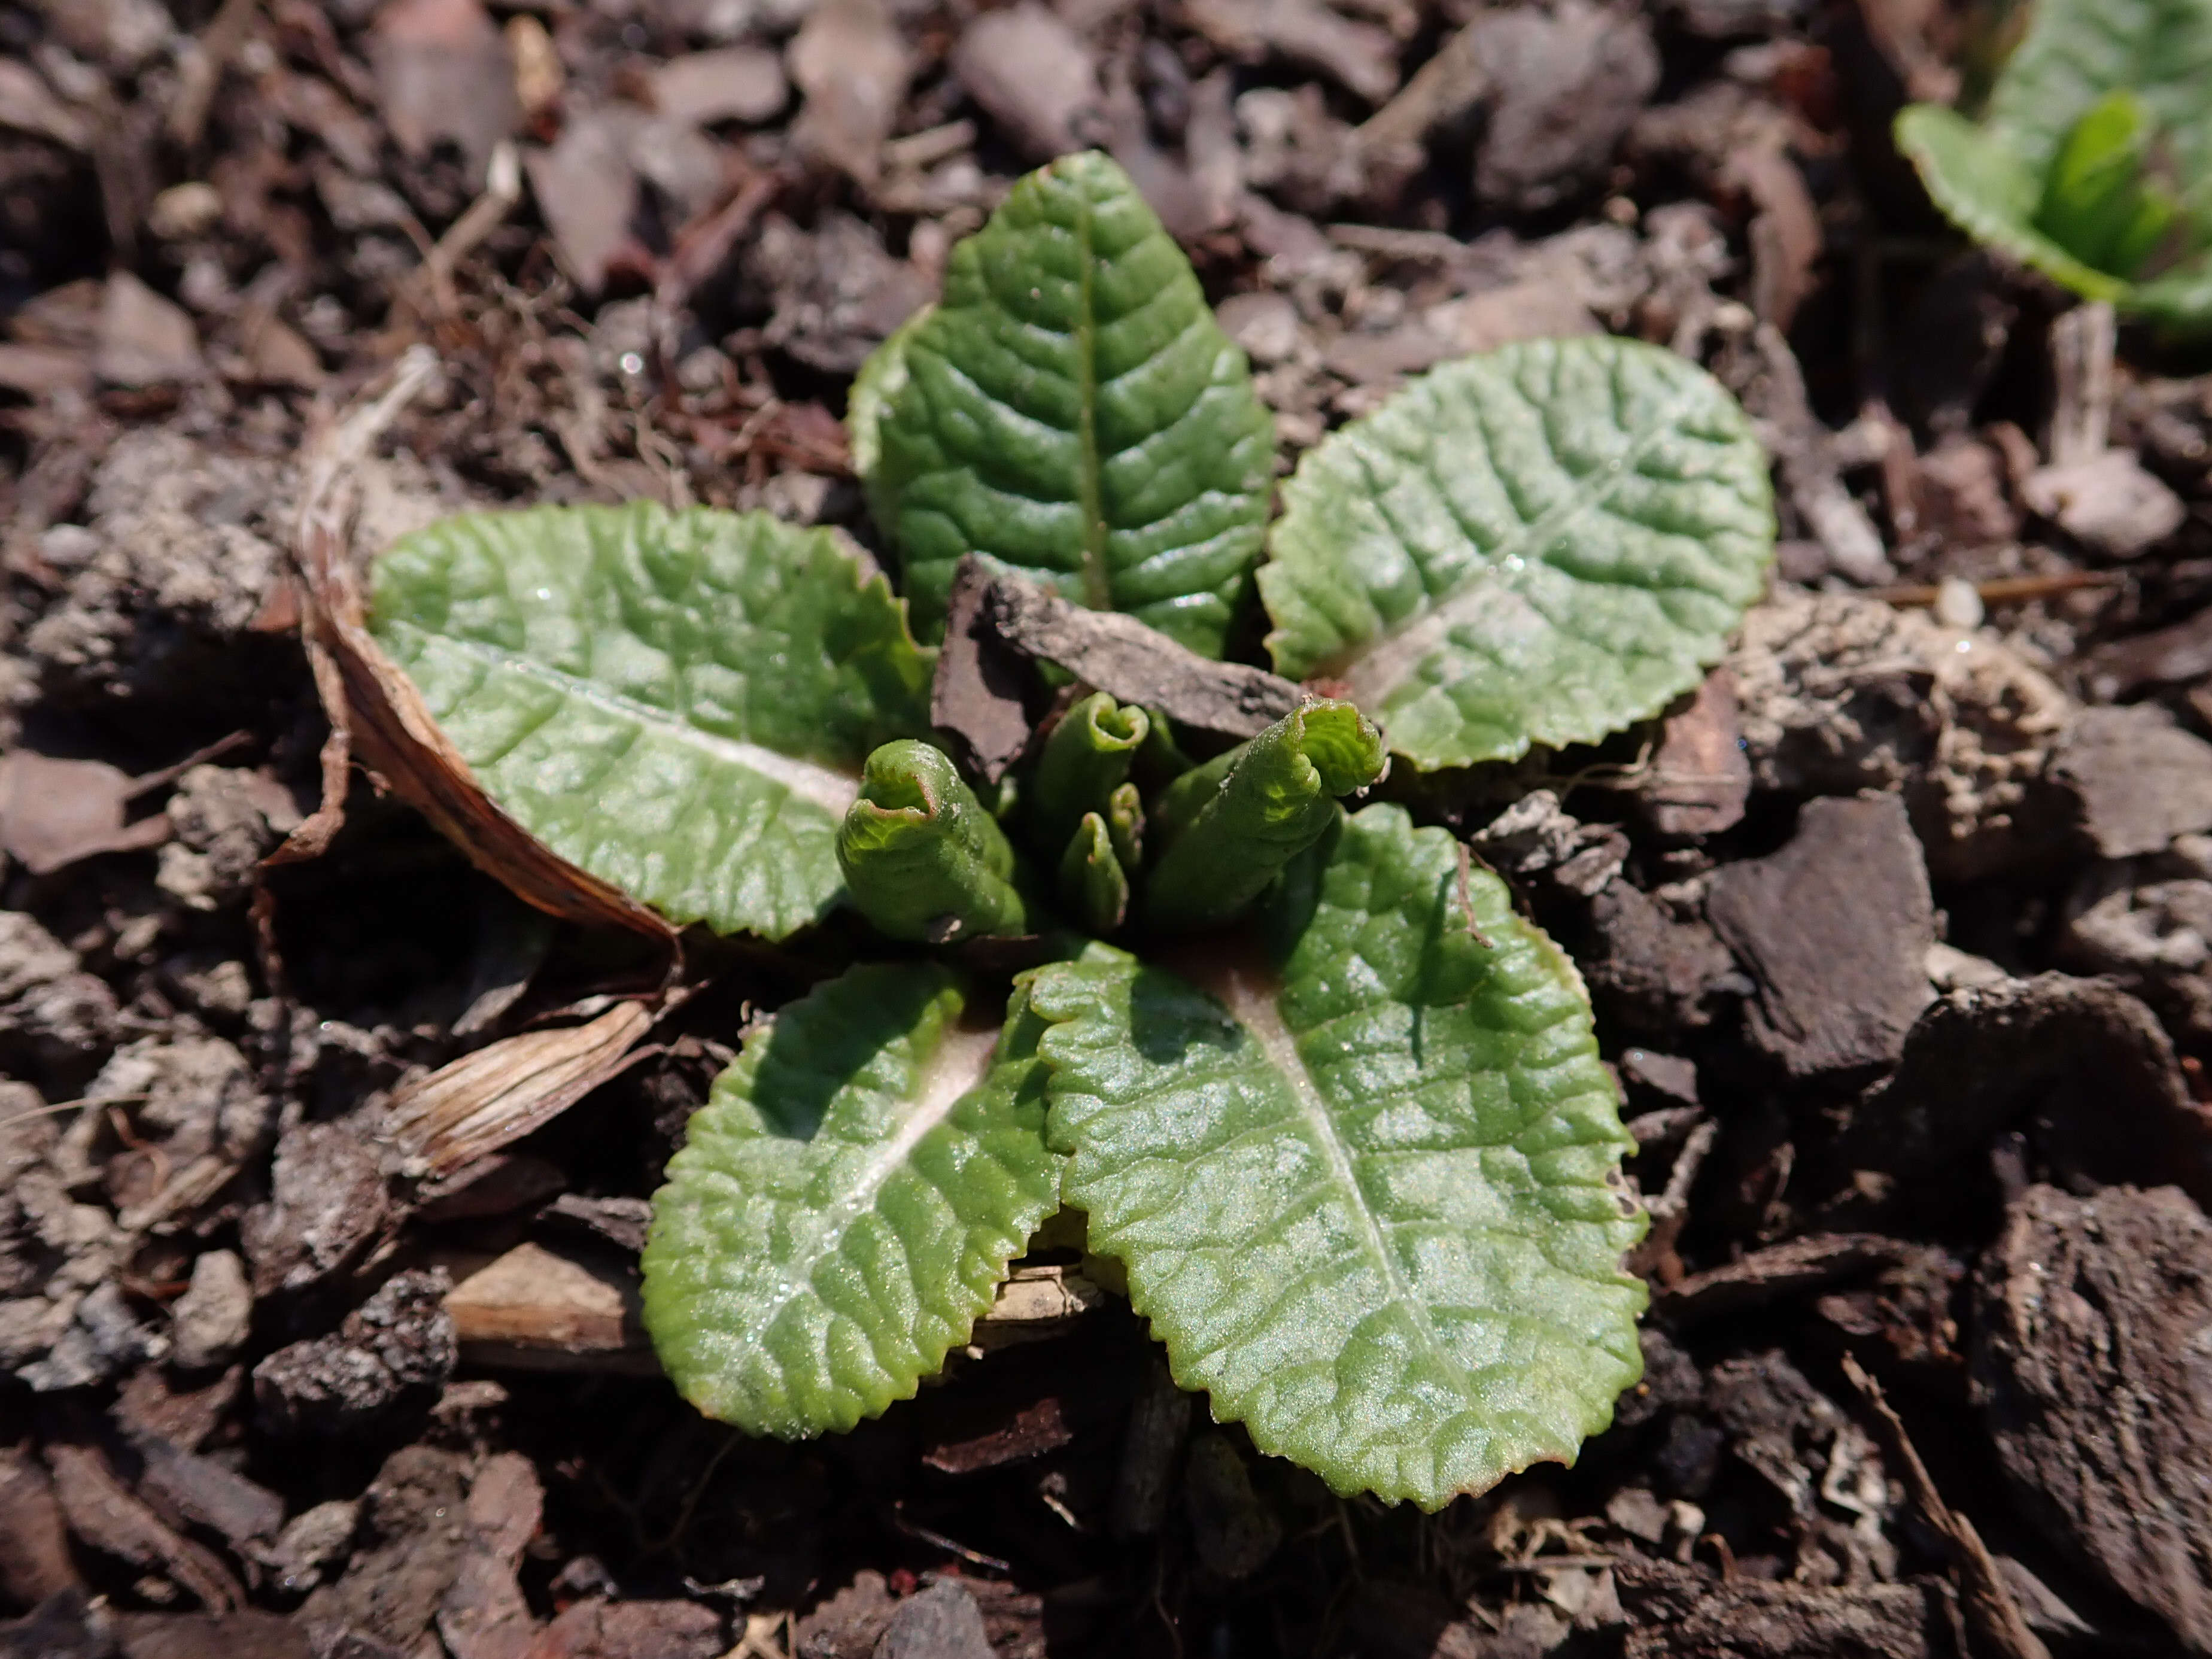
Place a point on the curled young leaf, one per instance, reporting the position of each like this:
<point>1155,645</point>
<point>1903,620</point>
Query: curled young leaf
<point>1125,825</point>
<point>847,1201</point>
<point>680,704</point>
<point>1367,1189</point>
<point>1086,758</point>
<point>1232,825</point>
<point>922,857</point>
<point>1071,410</point>
<point>1538,545</point>
<point>1093,886</point>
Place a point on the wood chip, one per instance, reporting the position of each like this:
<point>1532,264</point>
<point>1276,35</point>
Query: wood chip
<point>595,1629</point>
<point>733,83</point>
<point>979,700</point>
<point>2110,503</point>
<point>534,1311</point>
<point>1700,778</point>
<point>206,1494</point>
<point>144,339</point>
<point>2137,780</point>
<point>1778,1273</point>
<point>475,1105</point>
<point>1118,653</point>
<point>853,64</point>
<point>1032,73</point>
<point>1035,1302</point>
<point>1835,927</point>
<point>107,1516</point>
<point>2084,1065</point>
<point>35,1554</point>
<point>2090,1358</point>
<point>54,813</point>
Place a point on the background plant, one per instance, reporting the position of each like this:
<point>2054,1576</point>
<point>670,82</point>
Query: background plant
<point>1333,1103</point>
<point>2092,162</point>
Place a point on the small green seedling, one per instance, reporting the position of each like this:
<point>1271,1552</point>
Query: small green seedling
<point>2094,160</point>
<point>1332,1103</point>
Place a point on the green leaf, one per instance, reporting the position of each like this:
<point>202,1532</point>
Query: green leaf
<point>1125,826</point>
<point>848,1199</point>
<point>1093,886</point>
<point>923,859</point>
<point>1366,1189</point>
<point>2098,199</point>
<point>1991,192</point>
<point>2021,181</point>
<point>881,378</point>
<point>2075,51</point>
<point>1070,410</point>
<point>1234,823</point>
<point>1086,758</point>
<point>1537,545</point>
<point>679,703</point>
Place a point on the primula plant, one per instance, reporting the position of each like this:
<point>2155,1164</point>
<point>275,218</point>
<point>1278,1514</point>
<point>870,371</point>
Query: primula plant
<point>1331,1102</point>
<point>2092,162</point>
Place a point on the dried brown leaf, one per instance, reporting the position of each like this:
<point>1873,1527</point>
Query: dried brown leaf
<point>488,1099</point>
<point>377,716</point>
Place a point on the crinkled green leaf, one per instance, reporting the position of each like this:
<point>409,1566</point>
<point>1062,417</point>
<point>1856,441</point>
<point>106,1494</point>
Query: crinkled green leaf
<point>2006,181</point>
<point>1537,545</point>
<point>922,857</point>
<point>847,1201</point>
<point>1231,826</point>
<point>1070,410</point>
<point>1094,888</point>
<point>1085,758</point>
<point>1365,1186</point>
<point>679,703</point>
<point>882,377</point>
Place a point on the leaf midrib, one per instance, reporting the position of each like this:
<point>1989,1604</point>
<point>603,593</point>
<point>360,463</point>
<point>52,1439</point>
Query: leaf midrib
<point>827,787</point>
<point>1378,668</point>
<point>955,1069</point>
<point>1251,998</point>
<point>1097,582</point>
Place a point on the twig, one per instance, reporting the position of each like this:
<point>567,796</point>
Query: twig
<point>502,190</point>
<point>61,1106</point>
<point>953,1546</point>
<point>2082,342</point>
<point>1990,1608</point>
<point>2006,590</point>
